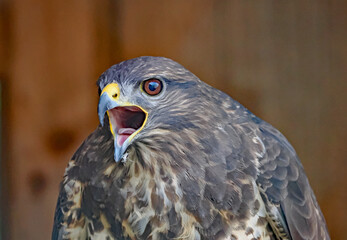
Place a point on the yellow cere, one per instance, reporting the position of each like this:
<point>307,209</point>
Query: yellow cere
<point>112,91</point>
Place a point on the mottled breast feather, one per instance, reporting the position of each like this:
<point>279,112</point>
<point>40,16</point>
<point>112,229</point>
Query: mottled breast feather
<point>203,167</point>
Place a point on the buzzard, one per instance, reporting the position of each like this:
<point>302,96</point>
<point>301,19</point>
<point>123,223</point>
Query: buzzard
<point>174,158</point>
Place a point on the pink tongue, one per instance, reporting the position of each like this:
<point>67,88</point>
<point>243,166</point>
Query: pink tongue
<point>127,131</point>
<point>123,134</point>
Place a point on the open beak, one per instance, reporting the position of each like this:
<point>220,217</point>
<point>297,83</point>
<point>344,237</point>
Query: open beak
<point>126,120</point>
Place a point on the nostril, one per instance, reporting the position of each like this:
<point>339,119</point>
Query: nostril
<point>115,95</point>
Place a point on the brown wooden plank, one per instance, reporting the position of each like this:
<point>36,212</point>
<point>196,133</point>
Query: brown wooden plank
<point>5,48</point>
<point>52,108</point>
<point>282,59</point>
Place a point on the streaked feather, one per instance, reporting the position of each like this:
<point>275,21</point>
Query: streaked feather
<point>203,167</point>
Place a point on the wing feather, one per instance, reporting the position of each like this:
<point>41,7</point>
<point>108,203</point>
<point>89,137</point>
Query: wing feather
<point>286,190</point>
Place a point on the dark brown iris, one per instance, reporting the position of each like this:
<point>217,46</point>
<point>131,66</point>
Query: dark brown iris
<point>152,86</point>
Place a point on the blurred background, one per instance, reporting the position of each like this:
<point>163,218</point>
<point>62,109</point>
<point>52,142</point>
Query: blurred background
<point>284,60</point>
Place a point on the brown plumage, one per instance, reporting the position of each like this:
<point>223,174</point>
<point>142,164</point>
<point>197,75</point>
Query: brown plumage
<point>195,164</point>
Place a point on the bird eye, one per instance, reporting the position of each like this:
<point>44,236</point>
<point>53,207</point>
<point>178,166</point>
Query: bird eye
<point>152,86</point>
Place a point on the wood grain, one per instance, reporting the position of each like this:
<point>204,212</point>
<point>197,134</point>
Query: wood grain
<point>284,60</point>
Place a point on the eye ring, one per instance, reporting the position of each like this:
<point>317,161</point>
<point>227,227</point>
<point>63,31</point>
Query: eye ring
<point>152,86</point>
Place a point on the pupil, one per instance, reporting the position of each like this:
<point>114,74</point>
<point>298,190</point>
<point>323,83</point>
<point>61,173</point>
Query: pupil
<point>153,86</point>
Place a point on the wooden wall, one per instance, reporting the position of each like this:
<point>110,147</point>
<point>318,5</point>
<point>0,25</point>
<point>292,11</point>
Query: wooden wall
<point>284,60</point>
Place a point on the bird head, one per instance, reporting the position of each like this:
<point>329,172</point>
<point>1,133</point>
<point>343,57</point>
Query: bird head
<point>142,95</point>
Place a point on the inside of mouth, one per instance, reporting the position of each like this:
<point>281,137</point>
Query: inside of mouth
<point>125,121</point>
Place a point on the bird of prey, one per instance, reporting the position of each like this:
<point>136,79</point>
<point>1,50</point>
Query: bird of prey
<point>174,158</point>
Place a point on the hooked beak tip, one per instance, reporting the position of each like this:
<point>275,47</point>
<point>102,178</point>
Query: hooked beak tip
<point>119,152</point>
